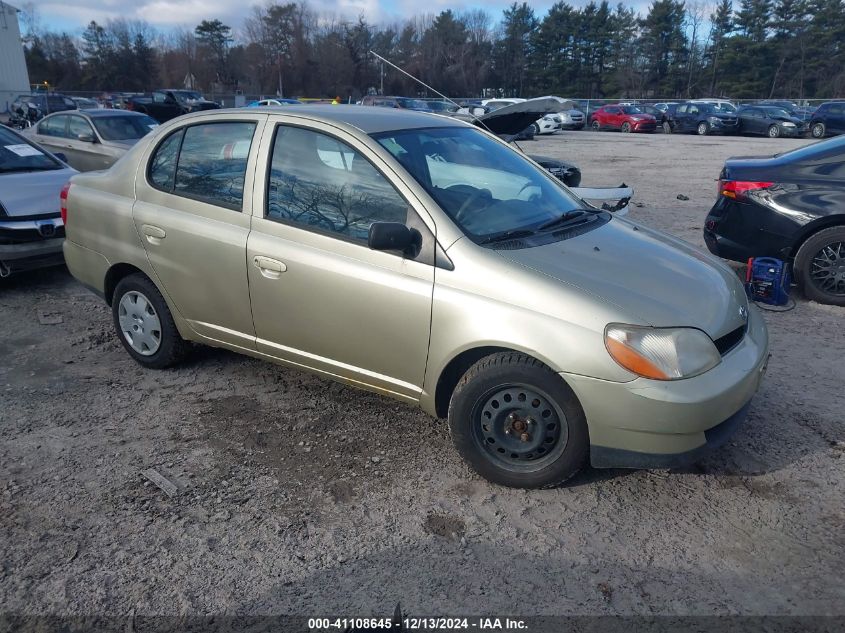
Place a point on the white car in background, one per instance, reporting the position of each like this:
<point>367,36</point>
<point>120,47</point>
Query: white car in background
<point>548,124</point>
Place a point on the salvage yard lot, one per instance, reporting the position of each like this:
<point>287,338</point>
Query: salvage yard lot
<point>297,495</point>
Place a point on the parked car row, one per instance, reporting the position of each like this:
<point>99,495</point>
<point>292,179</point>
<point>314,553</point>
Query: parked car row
<point>704,117</point>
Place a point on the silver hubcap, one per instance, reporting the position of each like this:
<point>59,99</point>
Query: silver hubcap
<point>139,323</point>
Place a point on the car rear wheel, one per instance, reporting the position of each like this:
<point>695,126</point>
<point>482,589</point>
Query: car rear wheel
<point>517,423</point>
<point>820,266</point>
<point>626,127</point>
<point>774,131</point>
<point>818,130</point>
<point>596,126</point>
<point>144,323</point>
<point>703,129</point>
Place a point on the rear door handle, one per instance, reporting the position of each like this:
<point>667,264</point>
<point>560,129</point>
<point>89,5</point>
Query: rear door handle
<point>270,268</point>
<point>154,233</point>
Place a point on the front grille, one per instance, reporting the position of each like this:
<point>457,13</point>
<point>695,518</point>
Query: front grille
<point>730,340</point>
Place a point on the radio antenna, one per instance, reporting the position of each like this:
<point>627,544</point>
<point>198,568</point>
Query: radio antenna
<point>439,94</point>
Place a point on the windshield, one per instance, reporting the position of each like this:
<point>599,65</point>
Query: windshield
<point>412,104</point>
<point>774,112</point>
<point>442,106</point>
<point>16,154</point>
<point>631,110</point>
<point>487,188</point>
<point>184,95</point>
<point>123,128</point>
<point>725,108</point>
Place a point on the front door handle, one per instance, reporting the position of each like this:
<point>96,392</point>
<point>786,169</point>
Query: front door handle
<point>270,268</point>
<point>154,233</point>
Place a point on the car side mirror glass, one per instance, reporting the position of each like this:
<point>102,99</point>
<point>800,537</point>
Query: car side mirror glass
<point>392,236</point>
<point>60,156</point>
<point>85,138</point>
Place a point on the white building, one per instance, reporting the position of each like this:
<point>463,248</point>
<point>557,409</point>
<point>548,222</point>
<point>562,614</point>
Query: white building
<point>14,79</point>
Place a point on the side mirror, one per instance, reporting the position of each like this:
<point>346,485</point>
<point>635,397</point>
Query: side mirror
<point>60,156</point>
<point>85,138</point>
<point>392,236</point>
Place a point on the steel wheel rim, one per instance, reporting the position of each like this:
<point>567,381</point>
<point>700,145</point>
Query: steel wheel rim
<point>139,323</point>
<point>827,269</point>
<point>519,428</point>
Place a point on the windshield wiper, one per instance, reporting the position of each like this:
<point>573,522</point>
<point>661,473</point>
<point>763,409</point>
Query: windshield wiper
<point>507,235</point>
<point>563,219</point>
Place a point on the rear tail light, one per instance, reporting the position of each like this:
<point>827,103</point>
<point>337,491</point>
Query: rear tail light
<point>738,189</point>
<point>63,202</point>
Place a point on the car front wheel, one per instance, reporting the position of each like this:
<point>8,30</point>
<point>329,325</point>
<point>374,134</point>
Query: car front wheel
<point>818,130</point>
<point>774,131</point>
<point>626,127</point>
<point>596,126</point>
<point>144,323</point>
<point>820,266</point>
<point>703,129</point>
<point>517,423</point>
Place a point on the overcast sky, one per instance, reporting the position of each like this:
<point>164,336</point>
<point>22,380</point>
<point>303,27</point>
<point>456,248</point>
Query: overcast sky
<point>74,15</point>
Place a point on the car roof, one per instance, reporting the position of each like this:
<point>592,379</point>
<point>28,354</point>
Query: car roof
<point>368,119</point>
<point>100,113</point>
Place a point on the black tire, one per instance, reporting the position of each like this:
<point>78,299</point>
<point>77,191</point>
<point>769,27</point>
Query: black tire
<point>807,270</point>
<point>559,446</point>
<point>773,131</point>
<point>626,127</point>
<point>171,348</point>
<point>702,129</point>
<point>536,129</point>
<point>596,126</point>
<point>818,130</point>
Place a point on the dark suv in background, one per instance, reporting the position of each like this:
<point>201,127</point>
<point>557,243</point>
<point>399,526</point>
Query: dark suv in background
<point>828,119</point>
<point>704,119</point>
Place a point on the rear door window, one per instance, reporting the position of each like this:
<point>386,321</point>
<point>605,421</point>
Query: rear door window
<point>53,126</point>
<point>212,162</point>
<point>205,162</point>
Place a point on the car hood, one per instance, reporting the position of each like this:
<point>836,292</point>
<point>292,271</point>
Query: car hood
<point>648,275</point>
<point>34,192</point>
<point>514,118</point>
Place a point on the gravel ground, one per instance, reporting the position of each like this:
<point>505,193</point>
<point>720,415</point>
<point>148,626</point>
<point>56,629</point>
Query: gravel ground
<point>300,496</point>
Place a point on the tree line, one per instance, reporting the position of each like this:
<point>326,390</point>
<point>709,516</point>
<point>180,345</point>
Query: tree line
<point>755,49</point>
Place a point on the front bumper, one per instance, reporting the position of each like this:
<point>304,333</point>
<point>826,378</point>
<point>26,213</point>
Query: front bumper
<point>657,424</point>
<point>644,126</point>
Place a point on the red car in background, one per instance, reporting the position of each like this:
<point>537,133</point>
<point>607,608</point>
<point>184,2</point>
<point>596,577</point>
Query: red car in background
<point>625,118</point>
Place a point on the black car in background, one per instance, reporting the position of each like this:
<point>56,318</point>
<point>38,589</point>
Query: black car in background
<point>828,119</point>
<point>166,104</point>
<point>703,119</point>
<point>661,114</point>
<point>771,121</point>
<point>790,206</point>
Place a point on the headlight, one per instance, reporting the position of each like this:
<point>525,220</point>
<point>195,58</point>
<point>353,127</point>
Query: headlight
<point>661,353</point>
<point>714,120</point>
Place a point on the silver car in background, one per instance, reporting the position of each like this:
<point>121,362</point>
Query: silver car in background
<point>91,139</point>
<point>31,227</point>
